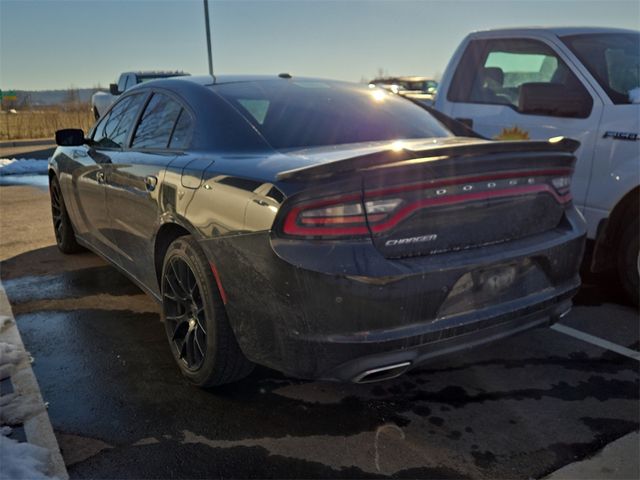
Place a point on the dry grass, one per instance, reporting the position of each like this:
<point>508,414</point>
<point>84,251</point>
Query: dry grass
<point>43,123</point>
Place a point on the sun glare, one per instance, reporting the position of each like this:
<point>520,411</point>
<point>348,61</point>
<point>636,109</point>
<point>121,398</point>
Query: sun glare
<point>378,95</point>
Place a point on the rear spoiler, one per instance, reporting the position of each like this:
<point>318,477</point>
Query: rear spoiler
<point>391,157</point>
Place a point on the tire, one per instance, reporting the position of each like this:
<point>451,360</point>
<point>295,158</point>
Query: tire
<point>62,228</point>
<point>201,340</point>
<point>95,113</point>
<point>629,259</point>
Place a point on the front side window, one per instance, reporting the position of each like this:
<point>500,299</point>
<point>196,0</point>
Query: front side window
<point>156,125</point>
<point>113,130</point>
<point>613,60</point>
<point>518,73</point>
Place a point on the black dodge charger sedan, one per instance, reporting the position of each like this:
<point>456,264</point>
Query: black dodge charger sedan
<point>324,229</point>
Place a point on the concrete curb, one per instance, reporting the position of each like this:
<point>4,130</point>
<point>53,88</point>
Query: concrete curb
<point>618,460</point>
<point>27,143</point>
<point>38,429</point>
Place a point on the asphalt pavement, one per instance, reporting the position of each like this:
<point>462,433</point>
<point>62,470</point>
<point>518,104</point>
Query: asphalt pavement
<point>520,408</point>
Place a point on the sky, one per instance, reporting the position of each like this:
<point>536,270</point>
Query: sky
<point>58,44</point>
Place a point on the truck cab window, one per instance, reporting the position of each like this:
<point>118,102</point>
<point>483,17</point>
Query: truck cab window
<point>510,72</point>
<point>613,60</point>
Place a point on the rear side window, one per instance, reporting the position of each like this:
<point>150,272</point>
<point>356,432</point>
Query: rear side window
<point>113,130</point>
<point>156,125</point>
<point>182,132</point>
<point>613,59</point>
<point>502,72</point>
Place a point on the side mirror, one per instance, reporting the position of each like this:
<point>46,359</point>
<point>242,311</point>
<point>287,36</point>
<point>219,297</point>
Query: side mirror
<point>537,98</point>
<point>70,137</point>
<point>113,89</point>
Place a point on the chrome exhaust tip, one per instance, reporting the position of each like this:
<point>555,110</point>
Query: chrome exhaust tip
<point>565,313</point>
<point>382,373</point>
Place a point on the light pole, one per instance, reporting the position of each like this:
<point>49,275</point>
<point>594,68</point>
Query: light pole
<point>206,21</point>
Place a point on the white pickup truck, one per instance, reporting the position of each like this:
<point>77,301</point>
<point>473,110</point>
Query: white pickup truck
<point>101,101</point>
<point>576,82</point>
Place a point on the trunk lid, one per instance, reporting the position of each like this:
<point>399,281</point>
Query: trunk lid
<point>423,198</point>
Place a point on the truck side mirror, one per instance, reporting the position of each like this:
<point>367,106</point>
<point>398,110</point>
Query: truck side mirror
<point>70,137</point>
<point>113,89</point>
<point>537,98</point>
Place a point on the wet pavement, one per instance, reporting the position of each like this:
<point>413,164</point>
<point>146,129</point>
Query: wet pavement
<point>520,408</point>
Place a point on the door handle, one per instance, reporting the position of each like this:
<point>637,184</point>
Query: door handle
<point>150,182</point>
<point>100,177</point>
<point>262,203</point>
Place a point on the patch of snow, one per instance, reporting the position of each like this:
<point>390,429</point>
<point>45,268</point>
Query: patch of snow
<point>16,409</point>
<point>634,95</point>
<point>15,166</point>
<point>4,320</point>
<point>22,461</point>
<point>10,353</point>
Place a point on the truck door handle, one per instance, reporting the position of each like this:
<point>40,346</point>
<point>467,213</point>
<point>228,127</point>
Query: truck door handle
<point>262,203</point>
<point>100,177</point>
<point>150,182</point>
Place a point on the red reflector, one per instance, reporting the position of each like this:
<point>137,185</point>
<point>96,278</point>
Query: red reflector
<point>223,294</point>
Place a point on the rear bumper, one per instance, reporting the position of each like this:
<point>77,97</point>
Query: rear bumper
<point>373,366</point>
<point>321,310</point>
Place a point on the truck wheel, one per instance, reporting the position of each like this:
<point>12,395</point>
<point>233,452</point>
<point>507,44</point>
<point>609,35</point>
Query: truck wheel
<point>95,113</point>
<point>195,320</point>
<point>629,260</point>
<point>65,236</point>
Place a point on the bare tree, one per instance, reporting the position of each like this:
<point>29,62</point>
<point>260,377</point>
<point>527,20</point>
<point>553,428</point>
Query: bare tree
<point>72,99</point>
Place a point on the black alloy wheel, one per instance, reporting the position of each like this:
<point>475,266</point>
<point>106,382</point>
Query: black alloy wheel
<point>62,228</point>
<point>56,209</point>
<point>195,319</point>
<point>184,314</point>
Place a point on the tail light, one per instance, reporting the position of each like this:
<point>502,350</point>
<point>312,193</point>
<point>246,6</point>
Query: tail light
<point>380,210</point>
<point>340,216</point>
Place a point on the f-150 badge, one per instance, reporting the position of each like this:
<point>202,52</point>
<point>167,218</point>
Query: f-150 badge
<point>621,135</point>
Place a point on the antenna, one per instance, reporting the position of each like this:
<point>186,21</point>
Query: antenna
<point>206,22</point>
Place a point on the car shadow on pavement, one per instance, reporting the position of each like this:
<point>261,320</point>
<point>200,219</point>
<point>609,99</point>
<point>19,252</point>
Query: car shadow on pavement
<point>47,261</point>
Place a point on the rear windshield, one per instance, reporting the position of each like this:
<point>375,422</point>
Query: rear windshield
<point>612,58</point>
<point>290,113</point>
